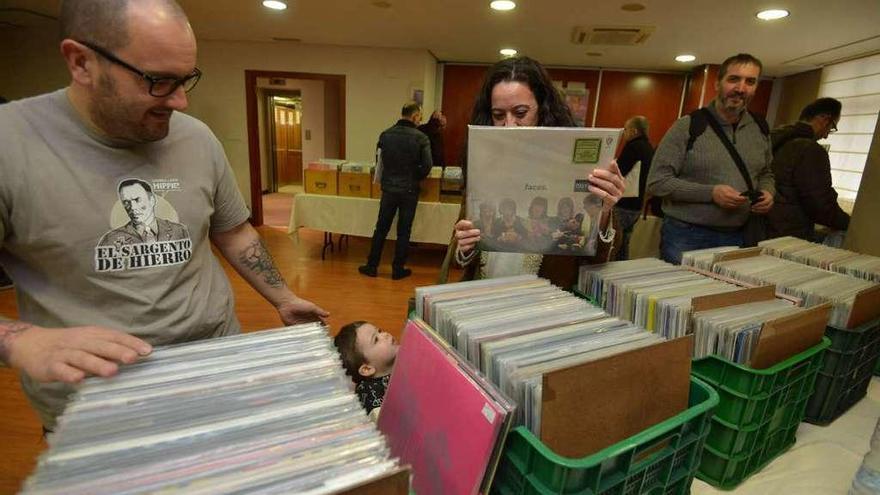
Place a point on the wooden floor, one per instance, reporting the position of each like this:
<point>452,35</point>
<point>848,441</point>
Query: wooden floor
<point>333,283</point>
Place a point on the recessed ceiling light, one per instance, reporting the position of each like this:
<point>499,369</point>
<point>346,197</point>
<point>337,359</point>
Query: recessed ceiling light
<point>502,5</point>
<point>507,52</point>
<point>772,14</point>
<point>685,58</point>
<point>274,4</point>
<point>632,7</point>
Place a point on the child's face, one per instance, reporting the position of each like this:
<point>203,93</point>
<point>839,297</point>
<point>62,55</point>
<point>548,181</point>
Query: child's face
<point>378,348</point>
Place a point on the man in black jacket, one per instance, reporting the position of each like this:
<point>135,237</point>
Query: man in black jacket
<point>804,195</point>
<point>404,155</point>
<point>637,149</point>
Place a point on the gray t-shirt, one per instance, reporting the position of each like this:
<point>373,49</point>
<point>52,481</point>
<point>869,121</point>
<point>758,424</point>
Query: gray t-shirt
<point>79,256</point>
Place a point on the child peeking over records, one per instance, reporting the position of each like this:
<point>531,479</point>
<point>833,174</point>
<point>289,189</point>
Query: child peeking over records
<point>368,355</point>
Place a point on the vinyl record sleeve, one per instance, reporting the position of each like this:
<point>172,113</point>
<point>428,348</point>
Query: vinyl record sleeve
<point>527,187</point>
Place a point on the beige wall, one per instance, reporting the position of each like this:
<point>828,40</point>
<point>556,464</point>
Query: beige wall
<point>378,82</point>
<point>797,91</point>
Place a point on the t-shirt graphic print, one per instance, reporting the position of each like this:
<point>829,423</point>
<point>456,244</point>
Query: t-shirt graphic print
<point>145,232</point>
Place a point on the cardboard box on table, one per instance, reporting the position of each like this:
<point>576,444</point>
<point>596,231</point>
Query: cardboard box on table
<point>355,180</point>
<point>429,190</point>
<point>322,182</point>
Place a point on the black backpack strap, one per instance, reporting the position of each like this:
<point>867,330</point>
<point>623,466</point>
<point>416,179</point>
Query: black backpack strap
<point>697,127</point>
<point>762,123</point>
<point>740,164</point>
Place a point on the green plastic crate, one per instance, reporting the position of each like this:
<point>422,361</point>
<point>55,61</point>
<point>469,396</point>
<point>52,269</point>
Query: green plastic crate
<point>758,412</point>
<point>590,299</point>
<point>849,365</point>
<point>660,460</point>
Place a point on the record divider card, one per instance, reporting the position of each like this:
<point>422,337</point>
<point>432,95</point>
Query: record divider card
<point>393,483</point>
<point>626,393</point>
<point>865,308</point>
<point>785,337</point>
<point>779,339</point>
<point>737,255</point>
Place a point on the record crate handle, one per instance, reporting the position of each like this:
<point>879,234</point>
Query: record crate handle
<point>657,450</point>
<point>798,369</point>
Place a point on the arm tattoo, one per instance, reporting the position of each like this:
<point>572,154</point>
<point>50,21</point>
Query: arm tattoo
<point>8,332</point>
<point>256,257</point>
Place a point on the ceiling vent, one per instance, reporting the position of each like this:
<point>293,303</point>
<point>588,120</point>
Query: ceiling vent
<point>611,35</point>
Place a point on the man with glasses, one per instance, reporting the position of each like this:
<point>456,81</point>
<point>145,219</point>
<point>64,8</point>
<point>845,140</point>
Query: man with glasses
<point>70,163</point>
<point>804,194</point>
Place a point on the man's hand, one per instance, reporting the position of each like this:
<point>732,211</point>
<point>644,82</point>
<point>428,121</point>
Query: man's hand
<point>298,310</point>
<point>68,354</point>
<point>763,207</point>
<point>467,236</point>
<point>727,197</point>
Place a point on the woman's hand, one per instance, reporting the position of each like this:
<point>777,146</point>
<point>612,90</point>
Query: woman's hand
<point>466,235</point>
<point>608,184</point>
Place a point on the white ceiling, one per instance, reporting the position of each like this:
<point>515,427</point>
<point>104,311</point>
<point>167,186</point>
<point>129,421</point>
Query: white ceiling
<point>817,32</point>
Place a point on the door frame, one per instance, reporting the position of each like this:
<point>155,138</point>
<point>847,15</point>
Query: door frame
<point>253,127</point>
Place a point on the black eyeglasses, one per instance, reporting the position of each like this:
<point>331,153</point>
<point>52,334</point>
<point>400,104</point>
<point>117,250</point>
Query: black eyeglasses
<point>160,87</point>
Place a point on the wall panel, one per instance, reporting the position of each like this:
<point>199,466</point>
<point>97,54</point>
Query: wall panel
<point>656,96</point>
<point>461,83</point>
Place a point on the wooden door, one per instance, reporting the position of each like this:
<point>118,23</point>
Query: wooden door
<point>288,146</point>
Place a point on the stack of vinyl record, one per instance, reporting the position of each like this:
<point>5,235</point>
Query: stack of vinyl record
<point>264,412</point>
<point>829,258</point>
<point>813,285</point>
<point>649,292</point>
<point>516,329</point>
<point>732,332</point>
<point>442,417</point>
<point>704,259</point>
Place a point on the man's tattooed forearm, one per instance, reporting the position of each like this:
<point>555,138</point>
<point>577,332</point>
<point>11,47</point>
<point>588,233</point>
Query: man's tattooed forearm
<point>256,257</point>
<point>9,330</point>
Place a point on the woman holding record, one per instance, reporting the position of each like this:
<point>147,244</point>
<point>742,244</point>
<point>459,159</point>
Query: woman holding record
<point>518,92</point>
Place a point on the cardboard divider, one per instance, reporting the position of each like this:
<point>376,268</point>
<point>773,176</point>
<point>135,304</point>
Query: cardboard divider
<point>622,395</point>
<point>785,337</point>
<point>865,308</point>
<point>745,296</point>
<point>738,254</point>
<point>393,483</point>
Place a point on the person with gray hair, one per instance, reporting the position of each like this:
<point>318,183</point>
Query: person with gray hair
<point>86,306</point>
<point>804,193</point>
<point>637,149</point>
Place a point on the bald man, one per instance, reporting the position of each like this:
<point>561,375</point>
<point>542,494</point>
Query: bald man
<point>67,156</point>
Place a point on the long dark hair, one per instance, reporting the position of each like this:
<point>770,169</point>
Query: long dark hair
<point>552,109</point>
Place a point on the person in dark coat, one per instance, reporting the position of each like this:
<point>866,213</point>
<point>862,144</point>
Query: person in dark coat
<point>804,194</point>
<point>434,130</point>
